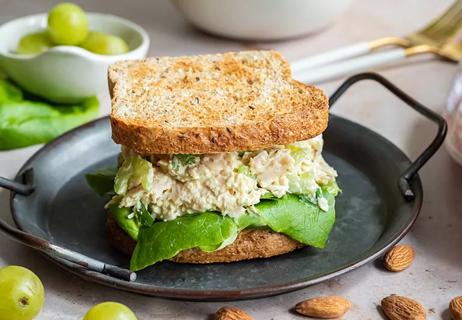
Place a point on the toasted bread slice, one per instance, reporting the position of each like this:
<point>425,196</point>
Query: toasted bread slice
<point>212,103</point>
<point>250,244</point>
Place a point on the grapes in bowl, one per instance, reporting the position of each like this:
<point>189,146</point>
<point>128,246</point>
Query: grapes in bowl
<point>36,55</point>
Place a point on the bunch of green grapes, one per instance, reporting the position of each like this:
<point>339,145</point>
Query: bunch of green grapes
<point>68,25</point>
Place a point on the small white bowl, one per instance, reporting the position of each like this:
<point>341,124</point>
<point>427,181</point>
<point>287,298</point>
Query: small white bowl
<point>261,19</point>
<point>66,73</point>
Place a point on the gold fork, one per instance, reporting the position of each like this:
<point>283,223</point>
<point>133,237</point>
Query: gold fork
<point>432,36</point>
<point>452,50</point>
<point>437,32</point>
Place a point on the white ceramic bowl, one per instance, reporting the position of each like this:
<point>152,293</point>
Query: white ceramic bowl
<point>66,73</point>
<point>261,19</point>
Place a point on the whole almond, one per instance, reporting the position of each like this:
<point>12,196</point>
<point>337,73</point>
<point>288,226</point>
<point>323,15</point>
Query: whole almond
<point>329,307</point>
<point>402,308</point>
<point>231,313</point>
<point>400,257</point>
<point>455,308</point>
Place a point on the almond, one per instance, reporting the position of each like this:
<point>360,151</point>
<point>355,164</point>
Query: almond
<point>231,313</point>
<point>402,308</point>
<point>329,307</point>
<point>400,257</point>
<point>455,308</point>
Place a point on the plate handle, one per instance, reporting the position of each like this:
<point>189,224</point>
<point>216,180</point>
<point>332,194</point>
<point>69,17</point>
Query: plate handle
<point>409,173</point>
<point>26,188</point>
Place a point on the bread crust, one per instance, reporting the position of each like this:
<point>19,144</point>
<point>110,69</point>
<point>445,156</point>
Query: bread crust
<point>249,244</point>
<point>304,116</point>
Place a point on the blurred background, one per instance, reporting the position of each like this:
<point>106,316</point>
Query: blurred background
<point>172,34</point>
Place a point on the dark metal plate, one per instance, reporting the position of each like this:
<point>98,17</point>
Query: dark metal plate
<point>372,215</point>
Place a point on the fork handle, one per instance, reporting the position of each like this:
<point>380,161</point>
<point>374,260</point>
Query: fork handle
<point>331,56</point>
<point>353,65</point>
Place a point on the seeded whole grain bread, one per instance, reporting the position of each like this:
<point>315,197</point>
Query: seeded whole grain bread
<point>249,244</point>
<point>212,103</point>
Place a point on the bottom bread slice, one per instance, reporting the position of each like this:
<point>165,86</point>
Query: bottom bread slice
<point>249,244</point>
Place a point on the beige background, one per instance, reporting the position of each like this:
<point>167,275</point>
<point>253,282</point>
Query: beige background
<point>436,275</point>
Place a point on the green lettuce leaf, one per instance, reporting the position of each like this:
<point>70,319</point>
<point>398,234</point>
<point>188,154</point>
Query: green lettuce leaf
<point>208,231</point>
<point>164,240</point>
<point>121,215</point>
<point>131,219</point>
<point>250,219</point>
<point>133,171</point>
<point>300,220</point>
<point>27,122</point>
<point>9,92</point>
<point>102,181</point>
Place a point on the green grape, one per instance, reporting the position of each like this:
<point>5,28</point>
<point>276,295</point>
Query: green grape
<point>67,24</point>
<point>103,43</point>
<point>34,43</point>
<point>21,294</point>
<point>110,311</point>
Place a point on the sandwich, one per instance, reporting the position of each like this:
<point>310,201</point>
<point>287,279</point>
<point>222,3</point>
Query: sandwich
<point>220,160</point>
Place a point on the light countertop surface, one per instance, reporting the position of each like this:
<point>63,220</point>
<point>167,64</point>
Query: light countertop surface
<point>436,275</point>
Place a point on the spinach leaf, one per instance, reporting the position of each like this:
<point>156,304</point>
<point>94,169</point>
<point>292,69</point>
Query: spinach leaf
<point>102,181</point>
<point>164,240</point>
<point>27,122</point>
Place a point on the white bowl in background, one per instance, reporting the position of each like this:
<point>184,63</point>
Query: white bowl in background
<point>261,19</point>
<point>66,73</point>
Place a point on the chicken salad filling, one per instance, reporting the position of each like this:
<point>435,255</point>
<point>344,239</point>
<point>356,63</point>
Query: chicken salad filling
<point>230,183</point>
